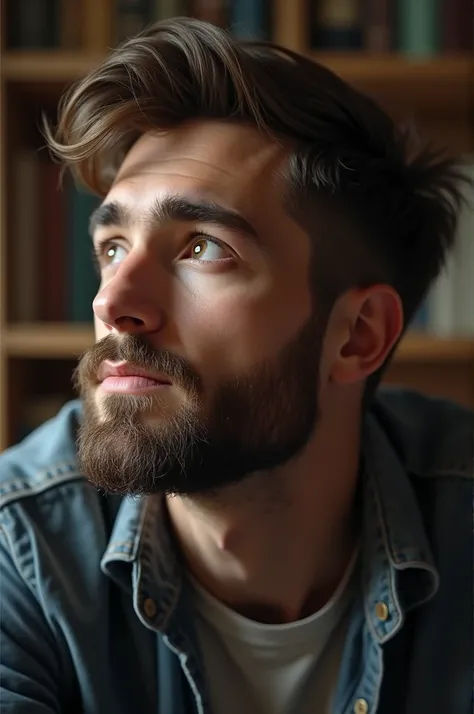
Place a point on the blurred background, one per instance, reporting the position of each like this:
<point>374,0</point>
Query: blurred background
<point>414,56</point>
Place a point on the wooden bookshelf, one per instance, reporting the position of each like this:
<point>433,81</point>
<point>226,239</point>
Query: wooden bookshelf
<point>437,91</point>
<point>64,340</point>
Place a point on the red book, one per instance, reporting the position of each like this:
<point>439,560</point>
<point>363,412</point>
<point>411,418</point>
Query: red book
<point>214,11</point>
<point>457,23</point>
<point>379,21</point>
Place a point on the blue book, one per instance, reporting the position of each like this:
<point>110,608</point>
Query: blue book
<point>248,19</point>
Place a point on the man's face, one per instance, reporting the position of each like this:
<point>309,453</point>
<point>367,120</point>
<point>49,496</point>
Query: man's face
<point>205,288</point>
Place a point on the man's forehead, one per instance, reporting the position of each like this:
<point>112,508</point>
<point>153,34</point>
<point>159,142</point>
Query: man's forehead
<point>212,146</point>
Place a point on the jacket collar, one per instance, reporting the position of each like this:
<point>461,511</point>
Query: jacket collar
<point>398,570</point>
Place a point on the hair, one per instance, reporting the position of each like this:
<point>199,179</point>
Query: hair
<point>353,182</point>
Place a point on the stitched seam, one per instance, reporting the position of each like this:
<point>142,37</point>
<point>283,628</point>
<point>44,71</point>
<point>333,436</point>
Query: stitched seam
<point>57,469</point>
<point>28,490</point>
<point>14,558</point>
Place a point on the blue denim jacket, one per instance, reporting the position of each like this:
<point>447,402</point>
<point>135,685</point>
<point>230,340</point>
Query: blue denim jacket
<point>95,616</point>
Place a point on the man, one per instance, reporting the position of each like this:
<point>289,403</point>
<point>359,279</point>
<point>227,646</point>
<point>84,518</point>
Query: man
<point>293,539</point>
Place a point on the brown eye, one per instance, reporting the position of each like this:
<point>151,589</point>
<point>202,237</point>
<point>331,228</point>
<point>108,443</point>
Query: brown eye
<point>109,253</point>
<point>207,249</point>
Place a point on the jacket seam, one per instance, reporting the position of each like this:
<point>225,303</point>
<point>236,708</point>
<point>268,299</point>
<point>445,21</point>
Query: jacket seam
<point>8,497</point>
<point>15,561</point>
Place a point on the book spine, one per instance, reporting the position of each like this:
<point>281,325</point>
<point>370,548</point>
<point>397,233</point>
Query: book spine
<point>441,302</point>
<point>165,9</point>
<point>378,25</point>
<point>337,24</point>
<point>420,321</point>
<point>71,24</point>
<point>457,23</point>
<point>248,20</point>
<point>213,11</point>
<point>52,256</point>
<point>131,17</point>
<point>464,264</point>
<point>83,281</point>
<point>418,28</point>
<point>24,245</point>
<point>33,24</point>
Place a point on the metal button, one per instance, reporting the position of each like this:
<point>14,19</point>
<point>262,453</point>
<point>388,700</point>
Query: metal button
<point>361,706</point>
<point>149,607</point>
<point>382,612</point>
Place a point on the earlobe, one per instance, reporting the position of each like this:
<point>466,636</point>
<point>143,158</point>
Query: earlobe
<point>374,322</point>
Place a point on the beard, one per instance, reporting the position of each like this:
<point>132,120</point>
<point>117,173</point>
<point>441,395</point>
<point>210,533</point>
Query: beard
<point>254,422</point>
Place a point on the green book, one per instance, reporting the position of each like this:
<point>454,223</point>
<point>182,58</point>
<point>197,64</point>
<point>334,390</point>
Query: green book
<point>418,28</point>
<point>83,281</point>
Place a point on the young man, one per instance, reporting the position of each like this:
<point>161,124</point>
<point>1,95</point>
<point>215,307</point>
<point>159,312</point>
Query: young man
<point>296,540</point>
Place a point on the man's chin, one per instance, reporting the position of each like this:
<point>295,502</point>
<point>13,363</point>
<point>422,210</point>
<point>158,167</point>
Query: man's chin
<point>138,408</point>
<point>137,445</point>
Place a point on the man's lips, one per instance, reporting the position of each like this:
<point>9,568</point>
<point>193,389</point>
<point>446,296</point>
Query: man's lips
<point>125,377</point>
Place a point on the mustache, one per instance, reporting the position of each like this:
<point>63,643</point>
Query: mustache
<point>134,349</point>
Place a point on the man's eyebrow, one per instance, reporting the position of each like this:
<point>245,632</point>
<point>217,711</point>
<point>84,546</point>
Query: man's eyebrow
<point>174,208</point>
<point>109,214</point>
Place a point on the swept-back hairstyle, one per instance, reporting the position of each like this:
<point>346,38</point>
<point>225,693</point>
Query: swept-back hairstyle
<point>375,213</point>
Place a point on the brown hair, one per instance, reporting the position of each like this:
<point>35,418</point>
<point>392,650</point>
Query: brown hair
<point>350,181</point>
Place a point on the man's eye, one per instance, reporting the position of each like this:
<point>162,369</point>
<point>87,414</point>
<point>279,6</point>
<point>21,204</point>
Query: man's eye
<point>207,249</point>
<point>109,253</point>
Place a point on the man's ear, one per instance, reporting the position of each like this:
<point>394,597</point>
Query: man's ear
<point>370,321</point>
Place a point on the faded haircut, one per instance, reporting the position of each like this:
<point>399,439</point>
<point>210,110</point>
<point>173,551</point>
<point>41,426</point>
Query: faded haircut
<point>377,211</point>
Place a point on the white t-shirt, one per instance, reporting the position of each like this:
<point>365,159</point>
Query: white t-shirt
<point>253,668</point>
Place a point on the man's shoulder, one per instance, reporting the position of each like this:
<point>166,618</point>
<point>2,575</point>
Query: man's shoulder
<point>43,460</point>
<point>433,436</point>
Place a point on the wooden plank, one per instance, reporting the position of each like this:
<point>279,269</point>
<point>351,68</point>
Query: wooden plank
<point>46,66</point>
<point>48,340</point>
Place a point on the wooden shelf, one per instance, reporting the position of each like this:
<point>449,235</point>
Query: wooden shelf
<point>359,67</point>
<point>45,340</point>
<point>69,341</point>
<point>425,349</point>
<point>47,66</point>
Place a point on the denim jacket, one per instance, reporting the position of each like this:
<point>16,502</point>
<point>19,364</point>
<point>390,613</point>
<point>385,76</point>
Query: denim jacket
<point>96,618</point>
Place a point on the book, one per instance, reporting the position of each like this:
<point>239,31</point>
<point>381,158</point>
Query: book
<point>33,24</point>
<point>440,302</point>
<point>249,19</point>
<point>213,11</point>
<point>83,281</point>
<point>337,24</point>
<point>23,245</point>
<point>165,9</point>
<point>71,24</point>
<point>379,18</point>
<point>418,28</point>
<point>131,17</point>
<point>463,273</point>
<point>52,255</point>
<point>457,25</point>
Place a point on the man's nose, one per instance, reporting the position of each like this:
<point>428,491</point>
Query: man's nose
<point>132,300</point>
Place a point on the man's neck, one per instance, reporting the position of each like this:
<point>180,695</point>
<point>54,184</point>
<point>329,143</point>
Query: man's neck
<point>275,546</point>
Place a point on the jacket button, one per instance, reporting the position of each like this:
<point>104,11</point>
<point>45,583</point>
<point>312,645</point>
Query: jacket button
<point>150,608</point>
<point>361,706</point>
<point>381,611</point>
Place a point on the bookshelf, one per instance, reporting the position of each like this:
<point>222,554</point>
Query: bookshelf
<point>36,357</point>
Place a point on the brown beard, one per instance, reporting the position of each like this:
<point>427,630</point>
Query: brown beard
<point>256,421</point>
